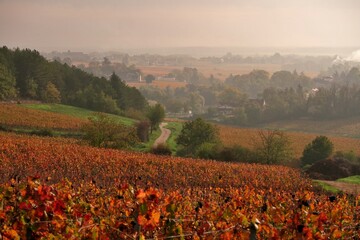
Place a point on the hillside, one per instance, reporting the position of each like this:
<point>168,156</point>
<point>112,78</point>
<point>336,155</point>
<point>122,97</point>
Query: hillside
<point>99,193</point>
<point>28,75</point>
<point>15,115</point>
<point>76,112</point>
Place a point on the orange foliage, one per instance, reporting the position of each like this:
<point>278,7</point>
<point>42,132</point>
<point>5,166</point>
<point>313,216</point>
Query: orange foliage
<point>17,116</point>
<point>110,194</point>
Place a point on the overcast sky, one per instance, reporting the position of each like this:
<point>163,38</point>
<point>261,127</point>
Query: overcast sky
<point>120,24</point>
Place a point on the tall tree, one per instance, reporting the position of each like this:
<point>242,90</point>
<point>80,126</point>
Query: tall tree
<point>273,147</point>
<point>156,115</point>
<point>320,148</point>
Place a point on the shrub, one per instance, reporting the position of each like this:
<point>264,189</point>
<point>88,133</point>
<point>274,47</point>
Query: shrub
<point>319,149</point>
<point>194,134</point>
<point>236,154</point>
<point>161,149</point>
<point>350,155</point>
<point>102,131</point>
<point>207,151</point>
<point>43,132</point>
<point>142,130</point>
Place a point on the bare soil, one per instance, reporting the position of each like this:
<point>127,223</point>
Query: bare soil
<point>165,134</point>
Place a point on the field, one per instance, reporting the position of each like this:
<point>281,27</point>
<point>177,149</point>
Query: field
<point>245,137</point>
<point>220,71</point>
<point>159,84</point>
<point>82,192</point>
<point>75,112</point>
<point>13,115</point>
<point>339,127</point>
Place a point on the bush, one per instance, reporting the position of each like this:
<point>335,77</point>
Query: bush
<point>161,149</point>
<point>43,132</point>
<point>102,131</point>
<point>332,169</point>
<point>350,155</point>
<point>236,154</point>
<point>194,134</point>
<point>207,151</point>
<point>142,130</point>
<point>3,128</point>
<point>319,149</point>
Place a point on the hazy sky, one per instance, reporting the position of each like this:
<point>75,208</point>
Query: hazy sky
<point>119,24</point>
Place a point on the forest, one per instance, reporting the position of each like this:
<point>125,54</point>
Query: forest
<point>27,75</point>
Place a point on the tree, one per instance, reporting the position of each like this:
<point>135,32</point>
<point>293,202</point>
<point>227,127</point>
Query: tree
<point>149,78</point>
<point>7,84</point>
<point>320,148</point>
<point>102,131</point>
<point>51,94</point>
<point>196,133</point>
<point>142,130</point>
<point>273,147</point>
<point>156,115</point>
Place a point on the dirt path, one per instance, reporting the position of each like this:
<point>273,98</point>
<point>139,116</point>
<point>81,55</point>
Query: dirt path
<point>345,187</point>
<point>165,134</point>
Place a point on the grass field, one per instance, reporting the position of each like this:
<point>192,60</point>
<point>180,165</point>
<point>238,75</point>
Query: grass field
<point>352,179</point>
<point>75,112</point>
<point>175,128</point>
<point>326,187</point>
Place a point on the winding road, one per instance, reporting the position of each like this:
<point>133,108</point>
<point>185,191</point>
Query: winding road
<point>165,134</point>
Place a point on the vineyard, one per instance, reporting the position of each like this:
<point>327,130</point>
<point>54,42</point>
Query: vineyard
<point>81,192</point>
<point>16,116</point>
<point>246,136</point>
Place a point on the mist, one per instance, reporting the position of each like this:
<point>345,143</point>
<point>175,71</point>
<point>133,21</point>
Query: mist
<point>118,25</point>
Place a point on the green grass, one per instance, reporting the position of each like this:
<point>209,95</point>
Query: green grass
<point>326,186</point>
<point>76,112</point>
<point>146,147</point>
<point>352,179</point>
<point>175,128</point>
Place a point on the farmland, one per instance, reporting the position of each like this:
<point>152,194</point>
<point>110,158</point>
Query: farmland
<point>13,115</point>
<point>116,194</point>
<point>220,71</point>
<point>244,137</point>
<point>75,112</point>
<point>348,127</point>
<point>159,84</point>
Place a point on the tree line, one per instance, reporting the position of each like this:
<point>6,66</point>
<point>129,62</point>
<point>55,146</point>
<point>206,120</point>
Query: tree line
<point>258,97</point>
<point>25,74</point>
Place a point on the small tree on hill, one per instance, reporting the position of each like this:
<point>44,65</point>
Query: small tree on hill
<point>320,148</point>
<point>273,147</point>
